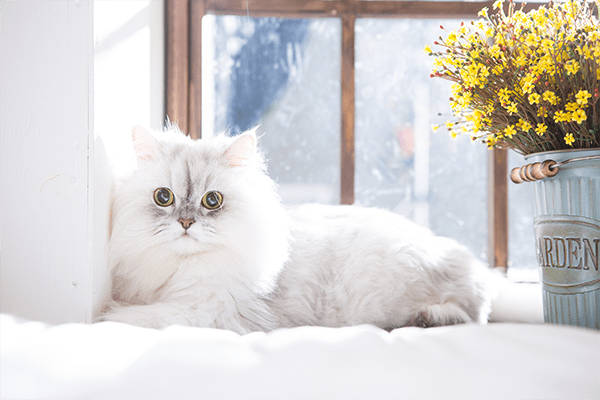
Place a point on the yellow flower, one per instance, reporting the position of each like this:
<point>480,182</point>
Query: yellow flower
<point>584,51</point>
<point>534,98</point>
<point>497,70</point>
<point>499,39</point>
<point>509,131</point>
<point>488,32</point>
<point>483,13</point>
<point>512,108</point>
<point>495,51</point>
<point>531,39</point>
<point>524,125</point>
<point>453,134</point>
<point>435,127</point>
<point>571,106</point>
<point>569,139</point>
<point>596,50</point>
<point>582,97</point>
<point>550,97</point>
<point>452,38</point>
<point>427,49</point>
<point>527,87</point>
<point>546,44</point>
<point>504,95</point>
<point>449,124</point>
<point>541,129</point>
<point>545,64</point>
<point>498,4</point>
<point>579,116</point>
<point>561,116</point>
<point>572,67</point>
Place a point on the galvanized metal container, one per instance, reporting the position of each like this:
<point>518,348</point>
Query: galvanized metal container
<point>567,231</point>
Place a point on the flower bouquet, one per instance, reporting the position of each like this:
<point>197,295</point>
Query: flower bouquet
<point>527,81</point>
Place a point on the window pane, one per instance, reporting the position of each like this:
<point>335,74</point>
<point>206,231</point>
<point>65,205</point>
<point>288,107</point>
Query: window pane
<point>283,74</point>
<point>401,164</point>
<point>521,251</point>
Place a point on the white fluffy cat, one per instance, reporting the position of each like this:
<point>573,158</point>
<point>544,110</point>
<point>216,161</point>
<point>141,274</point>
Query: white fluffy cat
<point>200,237</point>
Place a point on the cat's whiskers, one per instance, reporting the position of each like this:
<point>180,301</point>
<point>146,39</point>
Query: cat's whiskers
<point>129,229</point>
<point>157,231</point>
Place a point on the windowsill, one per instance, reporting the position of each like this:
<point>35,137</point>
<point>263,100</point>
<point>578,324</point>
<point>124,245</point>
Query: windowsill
<point>523,275</point>
<point>519,298</point>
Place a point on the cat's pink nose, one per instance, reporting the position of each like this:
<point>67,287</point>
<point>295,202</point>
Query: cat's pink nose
<point>185,222</point>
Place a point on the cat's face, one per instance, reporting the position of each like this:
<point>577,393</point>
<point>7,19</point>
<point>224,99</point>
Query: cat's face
<point>191,197</point>
<point>186,202</point>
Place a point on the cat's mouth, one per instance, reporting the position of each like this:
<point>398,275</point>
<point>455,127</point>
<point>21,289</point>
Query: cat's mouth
<point>185,235</point>
<point>186,244</point>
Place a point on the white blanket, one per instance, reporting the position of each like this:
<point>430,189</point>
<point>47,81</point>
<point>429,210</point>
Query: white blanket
<point>111,360</point>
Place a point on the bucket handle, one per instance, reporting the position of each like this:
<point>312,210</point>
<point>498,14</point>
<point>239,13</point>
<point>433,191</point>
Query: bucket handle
<point>538,171</point>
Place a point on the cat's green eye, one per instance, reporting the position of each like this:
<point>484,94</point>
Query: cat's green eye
<point>212,200</point>
<point>164,197</point>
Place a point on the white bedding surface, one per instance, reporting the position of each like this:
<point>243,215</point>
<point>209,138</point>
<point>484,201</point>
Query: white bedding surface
<point>112,360</point>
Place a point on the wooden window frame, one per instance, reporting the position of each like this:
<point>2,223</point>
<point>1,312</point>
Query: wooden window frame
<point>184,77</point>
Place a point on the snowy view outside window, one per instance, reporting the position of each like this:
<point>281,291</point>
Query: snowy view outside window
<point>401,164</point>
<point>521,247</point>
<point>284,74</point>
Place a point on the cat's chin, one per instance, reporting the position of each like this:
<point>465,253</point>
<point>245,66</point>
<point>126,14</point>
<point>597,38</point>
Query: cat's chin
<point>187,246</point>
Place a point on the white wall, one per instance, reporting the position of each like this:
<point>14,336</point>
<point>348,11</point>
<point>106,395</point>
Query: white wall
<point>74,77</point>
<point>46,130</point>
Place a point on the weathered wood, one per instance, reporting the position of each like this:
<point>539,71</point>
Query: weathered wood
<point>276,8</point>
<point>369,9</point>
<point>533,172</point>
<point>498,209</point>
<point>176,54</point>
<point>197,11</point>
<point>347,144</point>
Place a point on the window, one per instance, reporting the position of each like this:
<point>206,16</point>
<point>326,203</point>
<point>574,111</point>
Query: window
<point>341,89</point>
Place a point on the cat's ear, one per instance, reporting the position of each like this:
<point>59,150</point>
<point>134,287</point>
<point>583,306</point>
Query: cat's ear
<point>242,150</point>
<point>144,143</point>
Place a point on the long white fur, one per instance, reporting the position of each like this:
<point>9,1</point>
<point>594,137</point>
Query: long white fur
<point>353,265</point>
<point>253,265</point>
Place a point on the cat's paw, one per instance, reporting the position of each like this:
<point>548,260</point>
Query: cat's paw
<point>115,315</point>
<point>439,315</point>
<point>156,315</point>
<point>132,315</point>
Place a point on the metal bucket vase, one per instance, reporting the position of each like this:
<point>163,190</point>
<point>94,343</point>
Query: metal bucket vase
<point>567,232</point>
